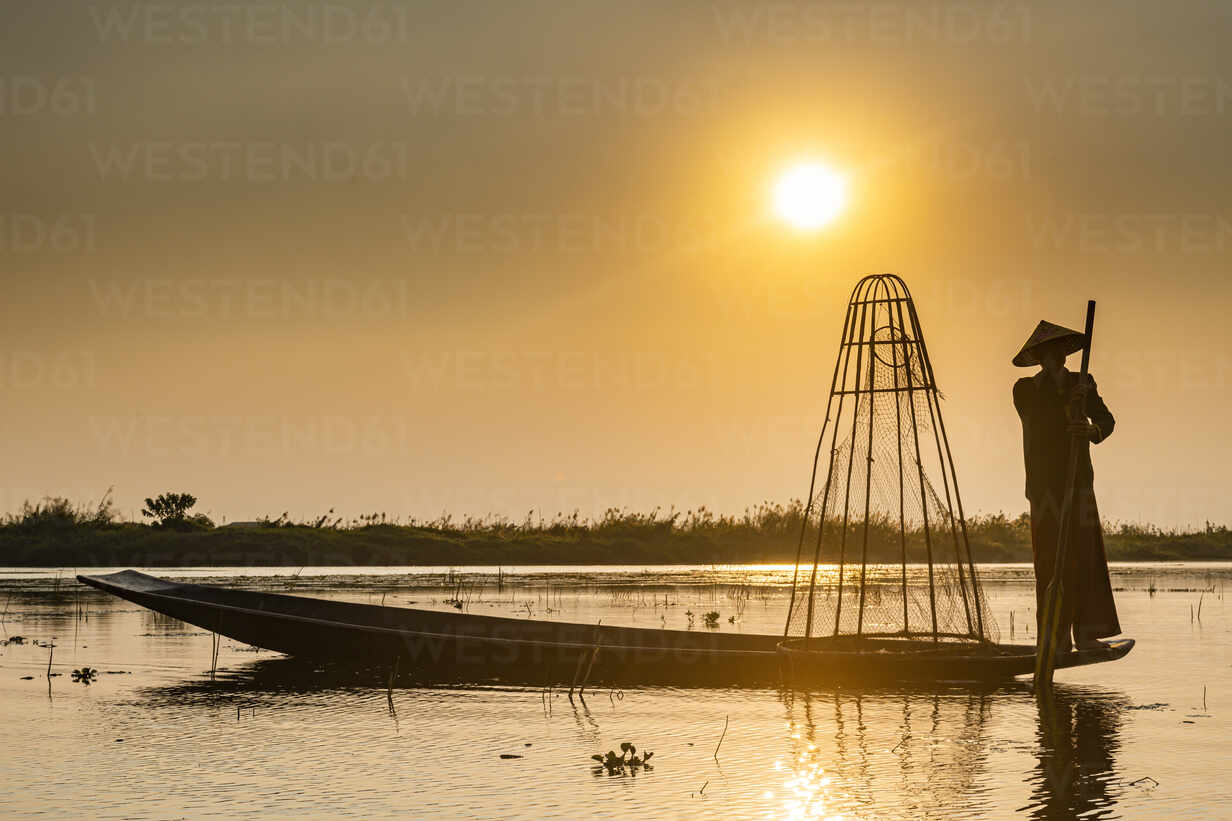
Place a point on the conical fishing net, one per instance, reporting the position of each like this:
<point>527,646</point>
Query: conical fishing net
<point>884,551</point>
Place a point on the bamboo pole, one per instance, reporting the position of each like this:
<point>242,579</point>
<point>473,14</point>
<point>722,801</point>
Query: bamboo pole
<point>915,436</point>
<point>845,356</point>
<point>808,506</point>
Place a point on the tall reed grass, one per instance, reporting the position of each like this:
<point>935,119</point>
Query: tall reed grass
<point>57,532</point>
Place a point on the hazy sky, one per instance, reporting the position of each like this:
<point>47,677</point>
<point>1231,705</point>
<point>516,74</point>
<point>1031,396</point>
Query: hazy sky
<point>488,257</point>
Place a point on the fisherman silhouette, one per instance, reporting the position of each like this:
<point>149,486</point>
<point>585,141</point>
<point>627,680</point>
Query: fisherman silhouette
<point>1050,407</point>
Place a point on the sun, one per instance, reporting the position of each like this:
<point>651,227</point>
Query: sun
<point>809,195</point>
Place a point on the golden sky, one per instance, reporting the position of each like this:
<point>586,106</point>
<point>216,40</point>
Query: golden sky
<point>489,257</point>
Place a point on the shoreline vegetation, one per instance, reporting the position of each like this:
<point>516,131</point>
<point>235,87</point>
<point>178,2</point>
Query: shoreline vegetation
<point>58,533</point>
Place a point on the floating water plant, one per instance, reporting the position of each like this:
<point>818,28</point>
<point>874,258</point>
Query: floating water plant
<point>627,761</point>
<point>85,675</point>
<point>711,619</point>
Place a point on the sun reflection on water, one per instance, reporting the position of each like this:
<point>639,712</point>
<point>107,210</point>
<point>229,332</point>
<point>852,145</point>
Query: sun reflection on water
<point>806,792</point>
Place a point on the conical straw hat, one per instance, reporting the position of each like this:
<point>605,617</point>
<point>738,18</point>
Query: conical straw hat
<point>1047,332</point>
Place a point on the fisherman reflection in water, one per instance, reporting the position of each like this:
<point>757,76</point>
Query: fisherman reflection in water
<point>1079,737</point>
<point>1049,405</point>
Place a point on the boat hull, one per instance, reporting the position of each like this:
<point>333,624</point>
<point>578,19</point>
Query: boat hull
<point>820,659</point>
<point>462,646</point>
<point>452,646</point>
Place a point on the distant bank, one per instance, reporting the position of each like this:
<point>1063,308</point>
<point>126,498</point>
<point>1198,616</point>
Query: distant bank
<point>767,534</point>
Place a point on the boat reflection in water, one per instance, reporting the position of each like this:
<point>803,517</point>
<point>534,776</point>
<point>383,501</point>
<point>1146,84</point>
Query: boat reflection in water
<point>925,754</point>
<point>867,753</point>
<point>884,754</point>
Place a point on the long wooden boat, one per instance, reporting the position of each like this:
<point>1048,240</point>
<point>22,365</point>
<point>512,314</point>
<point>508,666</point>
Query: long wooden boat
<point>462,646</point>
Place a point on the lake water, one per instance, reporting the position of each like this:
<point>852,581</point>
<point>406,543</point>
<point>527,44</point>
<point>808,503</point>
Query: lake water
<point>155,737</point>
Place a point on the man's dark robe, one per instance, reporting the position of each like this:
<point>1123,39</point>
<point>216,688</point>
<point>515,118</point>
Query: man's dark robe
<point>1087,605</point>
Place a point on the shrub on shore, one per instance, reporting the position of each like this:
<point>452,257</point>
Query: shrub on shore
<point>58,514</point>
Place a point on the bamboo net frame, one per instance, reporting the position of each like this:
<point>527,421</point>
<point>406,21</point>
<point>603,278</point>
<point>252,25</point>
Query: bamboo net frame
<point>891,555</point>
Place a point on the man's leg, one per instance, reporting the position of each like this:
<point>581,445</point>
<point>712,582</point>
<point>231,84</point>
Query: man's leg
<point>1095,610</point>
<point>1045,527</point>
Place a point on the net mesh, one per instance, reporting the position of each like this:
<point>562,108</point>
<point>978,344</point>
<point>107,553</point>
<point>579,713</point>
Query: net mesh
<point>893,556</point>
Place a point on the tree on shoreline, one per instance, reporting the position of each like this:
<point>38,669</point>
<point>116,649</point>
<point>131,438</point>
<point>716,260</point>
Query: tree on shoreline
<point>171,510</point>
